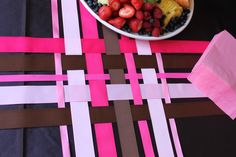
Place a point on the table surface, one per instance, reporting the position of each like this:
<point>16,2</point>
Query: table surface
<point>201,134</point>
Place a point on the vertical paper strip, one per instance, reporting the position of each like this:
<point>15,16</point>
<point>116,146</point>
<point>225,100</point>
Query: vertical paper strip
<point>143,47</point>
<point>104,132</point>
<point>143,126</point>
<point>124,118</point>
<point>158,118</point>
<point>60,89</point>
<point>71,27</point>
<point>81,119</point>
<point>168,100</point>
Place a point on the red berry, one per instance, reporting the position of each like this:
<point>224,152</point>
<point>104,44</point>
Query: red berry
<point>149,29</point>
<point>156,32</point>
<point>139,15</point>
<point>135,24</point>
<point>148,6</point>
<point>146,15</point>
<point>115,13</point>
<point>105,12</point>
<point>118,22</point>
<point>127,11</point>
<point>137,4</point>
<point>156,23</point>
<point>157,13</point>
<point>114,4</point>
<point>146,24</point>
<point>124,1</point>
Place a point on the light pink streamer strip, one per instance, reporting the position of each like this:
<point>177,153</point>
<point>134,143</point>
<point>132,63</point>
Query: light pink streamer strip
<point>48,94</point>
<point>137,97</point>
<point>60,89</point>
<point>71,27</point>
<point>158,118</point>
<point>168,100</point>
<point>81,122</point>
<point>104,132</point>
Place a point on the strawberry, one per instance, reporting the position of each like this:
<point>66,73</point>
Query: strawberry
<point>157,13</point>
<point>105,12</point>
<point>146,24</point>
<point>148,6</point>
<point>118,22</point>
<point>149,30</point>
<point>137,4</point>
<point>139,15</point>
<point>115,13</point>
<point>146,15</point>
<point>124,1</point>
<point>156,32</point>
<point>135,24</point>
<point>127,11</point>
<point>114,4</point>
<point>156,23</point>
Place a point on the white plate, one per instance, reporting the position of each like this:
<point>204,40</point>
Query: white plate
<point>142,37</point>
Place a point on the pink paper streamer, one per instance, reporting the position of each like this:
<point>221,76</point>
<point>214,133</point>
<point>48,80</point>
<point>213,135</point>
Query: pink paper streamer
<point>81,122</point>
<point>21,78</point>
<point>48,94</point>
<point>71,27</point>
<point>104,132</point>
<point>158,118</point>
<point>137,97</point>
<point>60,89</point>
<point>168,100</point>
<point>56,45</point>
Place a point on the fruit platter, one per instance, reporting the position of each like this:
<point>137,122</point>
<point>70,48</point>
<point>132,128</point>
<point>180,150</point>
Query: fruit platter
<point>143,19</point>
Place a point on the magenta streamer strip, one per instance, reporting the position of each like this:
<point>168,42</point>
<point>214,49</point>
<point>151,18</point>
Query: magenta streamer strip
<point>56,45</point>
<point>59,83</point>
<point>137,97</point>
<point>166,92</point>
<point>59,77</point>
<point>104,132</point>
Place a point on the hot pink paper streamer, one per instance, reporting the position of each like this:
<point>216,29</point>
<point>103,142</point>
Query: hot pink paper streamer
<point>60,89</point>
<point>168,100</point>
<point>104,132</point>
<point>56,45</point>
<point>21,78</point>
<point>137,97</point>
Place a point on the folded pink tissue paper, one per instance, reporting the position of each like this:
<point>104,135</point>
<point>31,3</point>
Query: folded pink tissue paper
<point>215,73</point>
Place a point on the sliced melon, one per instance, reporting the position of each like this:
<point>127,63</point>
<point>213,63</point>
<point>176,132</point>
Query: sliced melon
<point>184,3</point>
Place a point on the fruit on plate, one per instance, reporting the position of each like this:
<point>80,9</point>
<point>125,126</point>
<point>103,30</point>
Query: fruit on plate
<point>144,17</point>
<point>118,22</point>
<point>170,9</point>
<point>184,3</point>
<point>127,11</point>
<point>105,12</point>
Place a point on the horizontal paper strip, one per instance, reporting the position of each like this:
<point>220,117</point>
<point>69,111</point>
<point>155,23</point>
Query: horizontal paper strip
<point>56,45</point>
<point>26,118</point>
<point>48,94</point>
<point>42,62</point>
<point>27,77</point>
